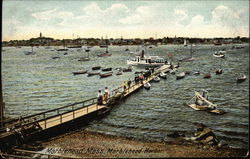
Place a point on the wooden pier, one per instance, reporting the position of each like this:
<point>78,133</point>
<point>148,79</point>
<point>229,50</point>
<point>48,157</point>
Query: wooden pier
<point>52,118</point>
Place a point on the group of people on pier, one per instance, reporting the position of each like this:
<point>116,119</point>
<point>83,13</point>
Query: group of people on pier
<point>138,78</point>
<point>102,97</point>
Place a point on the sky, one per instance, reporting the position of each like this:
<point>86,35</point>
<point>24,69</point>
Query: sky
<point>62,19</point>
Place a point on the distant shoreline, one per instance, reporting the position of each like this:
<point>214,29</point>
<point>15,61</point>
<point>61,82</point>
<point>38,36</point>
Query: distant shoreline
<point>197,44</point>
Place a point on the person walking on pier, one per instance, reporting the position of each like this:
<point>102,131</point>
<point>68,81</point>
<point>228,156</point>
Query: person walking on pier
<point>124,85</point>
<point>129,83</point>
<point>106,94</point>
<point>141,77</point>
<point>99,98</point>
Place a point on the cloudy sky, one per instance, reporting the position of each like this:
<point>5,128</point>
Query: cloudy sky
<point>24,19</point>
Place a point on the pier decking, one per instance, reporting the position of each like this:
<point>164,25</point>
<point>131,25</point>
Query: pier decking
<point>52,118</point>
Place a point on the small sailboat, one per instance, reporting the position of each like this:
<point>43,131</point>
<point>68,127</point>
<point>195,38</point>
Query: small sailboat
<point>241,79</point>
<point>185,42</point>
<point>219,71</point>
<point>180,75</point>
<point>56,57</point>
<point>147,85</point>
<point>30,52</point>
<point>106,52</point>
<point>163,75</point>
<point>127,49</point>
<point>202,104</point>
<point>86,58</point>
<point>188,59</point>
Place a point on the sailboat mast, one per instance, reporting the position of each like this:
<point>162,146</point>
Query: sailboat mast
<point>106,44</point>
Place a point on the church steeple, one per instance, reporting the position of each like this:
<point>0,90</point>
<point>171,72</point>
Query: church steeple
<point>40,34</point>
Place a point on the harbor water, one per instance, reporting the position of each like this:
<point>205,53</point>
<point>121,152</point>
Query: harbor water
<point>36,83</point>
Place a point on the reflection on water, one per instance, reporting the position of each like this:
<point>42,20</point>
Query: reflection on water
<point>34,83</point>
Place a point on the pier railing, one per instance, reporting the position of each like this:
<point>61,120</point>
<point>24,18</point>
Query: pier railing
<point>43,116</point>
<point>30,119</point>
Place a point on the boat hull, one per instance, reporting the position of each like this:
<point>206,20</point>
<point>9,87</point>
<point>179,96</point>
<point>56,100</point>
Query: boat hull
<point>240,80</point>
<point>93,73</point>
<point>180,76</point>
<point>80,72</point>
<point>106,75</point>
<point>198,107</point>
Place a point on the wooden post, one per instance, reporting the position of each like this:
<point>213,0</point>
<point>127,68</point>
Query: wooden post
<point>44,121</point>
<point>1,96</point>
<point>73,111</point>
<point>44,124</point>
<point>61,118</point>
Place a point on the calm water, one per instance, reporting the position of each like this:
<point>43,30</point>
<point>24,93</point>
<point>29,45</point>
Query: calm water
<point>35,83</point>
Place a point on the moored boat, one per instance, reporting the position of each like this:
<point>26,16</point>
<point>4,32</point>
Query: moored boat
<point>156,79</point>
<point>188,59</point>
<point>103,75</point>
<point>180,75</point>
<point>96,68</point>
<point>219,71</point>
<point>187,72</point>
<point>30,52</point>
<point>103,46</point>
<point>163,75</point>
<point>107,69</point>
<point>196,72</point>
<point>241,79</point>
<point>84,59</point>
<point>104,54</point>
<point>55,57</point>
<point>147,85</point>
<point>76,46</point>
<point>129,69</point>
<point>62,49</point>
<point>80,72</point>
<point>144,61</point>
<point>202,103</point>
<point>173,71</point>
<point>207,75</point>
<point>93,73</point>
<point>119,73</point>
<point>220,54</point>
